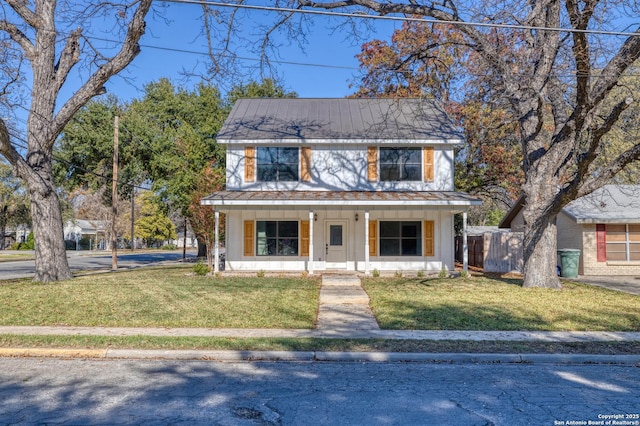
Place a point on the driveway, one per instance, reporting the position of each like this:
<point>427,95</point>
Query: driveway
<point>627,284</point>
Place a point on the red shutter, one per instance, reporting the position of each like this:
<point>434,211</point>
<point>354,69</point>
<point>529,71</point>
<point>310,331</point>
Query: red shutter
<point>601,242</point>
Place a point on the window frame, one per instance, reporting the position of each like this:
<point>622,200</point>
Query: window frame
<point>277,164</point>
<point>401,164</point>
<point>279,240</point>
<point>628,242</point>
<point>400,238</point>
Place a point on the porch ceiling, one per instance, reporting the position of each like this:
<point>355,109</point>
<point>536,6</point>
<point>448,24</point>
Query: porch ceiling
<point>310,199</point>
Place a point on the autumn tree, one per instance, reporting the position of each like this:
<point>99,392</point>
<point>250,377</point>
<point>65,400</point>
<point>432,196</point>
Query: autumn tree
<point>488,165</point>
<point>48,52</point>
<point>559,81</point>
<point>202,219</point>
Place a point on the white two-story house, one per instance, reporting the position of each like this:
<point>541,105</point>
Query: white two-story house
<point>339,184</point>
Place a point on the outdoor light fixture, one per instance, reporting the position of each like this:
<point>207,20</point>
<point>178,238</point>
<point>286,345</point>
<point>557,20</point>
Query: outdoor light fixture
<point>315,217</point>
<point>356,217</point>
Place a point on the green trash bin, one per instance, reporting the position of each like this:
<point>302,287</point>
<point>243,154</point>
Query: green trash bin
<point>569,261</point>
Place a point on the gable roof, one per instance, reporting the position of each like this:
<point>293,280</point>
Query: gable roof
<point>609,204</point>
<point>279,119</point>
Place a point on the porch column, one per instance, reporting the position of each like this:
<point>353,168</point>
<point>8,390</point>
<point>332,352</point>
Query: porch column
<point>366,242</point>
<point>310,264</point>
<point>465,246</point>
<point>216,247</point>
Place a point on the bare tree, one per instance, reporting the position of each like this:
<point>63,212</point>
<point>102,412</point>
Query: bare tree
<point>560,84</point>
<point>47,54</point>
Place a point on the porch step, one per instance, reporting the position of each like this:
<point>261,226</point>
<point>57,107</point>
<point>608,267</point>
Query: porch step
<point>344,305</point>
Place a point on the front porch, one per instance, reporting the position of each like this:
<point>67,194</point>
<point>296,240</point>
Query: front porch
<point>317,231</point>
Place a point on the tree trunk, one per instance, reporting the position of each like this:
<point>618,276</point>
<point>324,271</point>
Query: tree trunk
<point>51,255</point>
<point>202,247</point>
<point>540,242</point>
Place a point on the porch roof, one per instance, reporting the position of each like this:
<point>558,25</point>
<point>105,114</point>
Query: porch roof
<point>312,199</point>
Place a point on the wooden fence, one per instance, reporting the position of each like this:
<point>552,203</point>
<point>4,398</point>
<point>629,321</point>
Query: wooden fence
<point>476,250</point>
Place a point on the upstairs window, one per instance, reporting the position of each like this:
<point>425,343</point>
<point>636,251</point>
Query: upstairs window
<point>277,164</point>
<point>400,164</point>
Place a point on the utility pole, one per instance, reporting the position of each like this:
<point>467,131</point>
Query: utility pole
<point>114,197</point>
<point>133,200</point>
<point>184,240</point>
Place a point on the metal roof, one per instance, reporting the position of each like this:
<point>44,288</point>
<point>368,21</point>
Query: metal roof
<point>609,204</point>
<point>341,119</point>
<point>339,198</point>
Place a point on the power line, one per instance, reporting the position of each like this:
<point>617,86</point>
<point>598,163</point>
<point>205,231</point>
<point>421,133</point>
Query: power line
<point>402,19</point>
<point>244,58</point>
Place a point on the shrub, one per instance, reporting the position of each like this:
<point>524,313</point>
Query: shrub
<point>200,268</point>
<point>375,273</point>
<point>169,247</point>
<point>420,273</point>
<point>398,274</point>
<point>260,273</point>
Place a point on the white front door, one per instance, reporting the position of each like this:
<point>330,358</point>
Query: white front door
<point>336,244</point>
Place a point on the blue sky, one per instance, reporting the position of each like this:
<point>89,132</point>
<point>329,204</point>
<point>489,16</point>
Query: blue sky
<point>334,49</point>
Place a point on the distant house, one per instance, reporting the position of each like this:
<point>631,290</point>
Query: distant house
<point>93,230</point>
<point>339,184</point>
<point>604,225</point>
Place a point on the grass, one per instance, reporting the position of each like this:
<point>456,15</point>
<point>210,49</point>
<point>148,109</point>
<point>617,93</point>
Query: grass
<point>175,297</point>
<point>308,344</point>
<point>482,303</point>
<point>12,257</point>
<point>162,297</point>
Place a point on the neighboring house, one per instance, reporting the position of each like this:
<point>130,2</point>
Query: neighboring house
<point>604,225</point>
<point>339,184</point>
<point>94,230</point>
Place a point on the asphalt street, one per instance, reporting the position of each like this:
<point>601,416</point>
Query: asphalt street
<point>83,261</point>
<point>155,392</point>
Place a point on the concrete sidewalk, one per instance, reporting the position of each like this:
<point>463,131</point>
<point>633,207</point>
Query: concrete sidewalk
<point>343,313</point>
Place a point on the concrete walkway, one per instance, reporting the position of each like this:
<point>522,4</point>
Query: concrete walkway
<point>344,305</point>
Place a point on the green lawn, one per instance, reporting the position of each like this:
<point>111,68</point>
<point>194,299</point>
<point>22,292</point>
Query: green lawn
<point>481,303</point>
<point>163,297</point>
<point>174,297</point>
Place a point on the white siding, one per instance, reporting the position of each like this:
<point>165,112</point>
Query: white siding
<point>340,168</point>
<point>355,236</point>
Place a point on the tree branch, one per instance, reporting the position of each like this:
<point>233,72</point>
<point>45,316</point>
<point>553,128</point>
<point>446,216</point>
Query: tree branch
<point>19,37</point>
<point>93,86</point>
<point>68,58</point>
<point>20,7</point>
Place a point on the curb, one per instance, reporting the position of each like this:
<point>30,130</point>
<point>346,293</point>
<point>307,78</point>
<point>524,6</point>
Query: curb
<point>312,356</point>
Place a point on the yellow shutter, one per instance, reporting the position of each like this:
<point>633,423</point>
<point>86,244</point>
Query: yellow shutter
<point>372,164</point>
<point>305,164</point>
<point>248,237</point>
<point>373,238</point>
<point>428,238</point>
<point>250,164</point>
<point>428,164</point>
<point>304,238</point>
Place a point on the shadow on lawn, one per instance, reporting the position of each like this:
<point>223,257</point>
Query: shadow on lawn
<point>473,317</point>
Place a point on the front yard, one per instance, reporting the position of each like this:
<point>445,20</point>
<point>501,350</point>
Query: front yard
<point>163,297</point>
<point>483,303</point>
<point>173,297</point>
